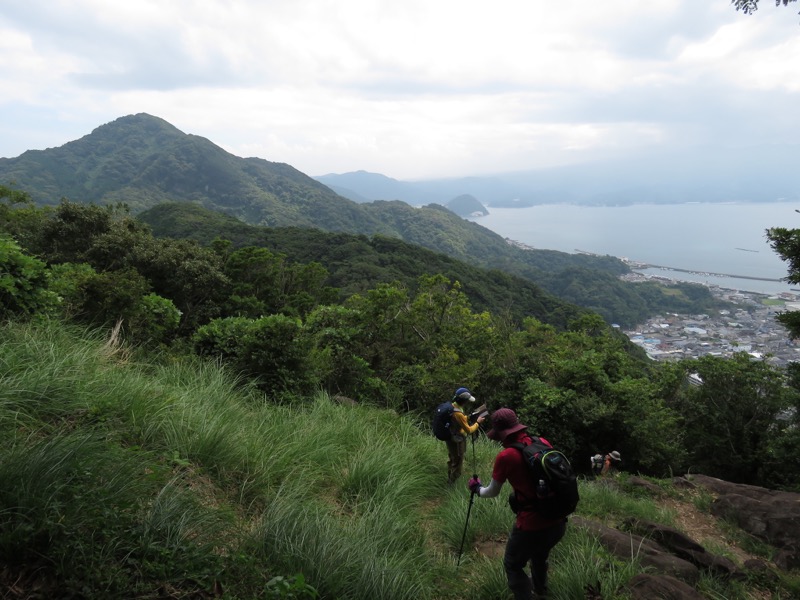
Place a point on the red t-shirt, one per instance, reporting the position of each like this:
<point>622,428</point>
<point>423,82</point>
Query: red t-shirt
<point>509,466</point>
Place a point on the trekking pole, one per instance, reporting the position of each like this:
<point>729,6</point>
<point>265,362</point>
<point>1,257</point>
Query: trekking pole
<point>474,460</point>
<point>464,535</point>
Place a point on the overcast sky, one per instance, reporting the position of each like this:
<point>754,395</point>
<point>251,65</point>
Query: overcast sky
<point>411,89</point>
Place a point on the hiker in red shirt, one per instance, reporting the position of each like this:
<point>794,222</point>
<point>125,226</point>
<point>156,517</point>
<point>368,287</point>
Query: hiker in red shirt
<point>533,536</point>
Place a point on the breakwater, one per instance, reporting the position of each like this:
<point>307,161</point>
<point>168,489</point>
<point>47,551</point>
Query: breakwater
<point>647,266</point>
<point>641,265</point>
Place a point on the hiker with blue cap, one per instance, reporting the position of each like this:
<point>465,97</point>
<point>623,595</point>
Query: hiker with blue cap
<point>460,429</point>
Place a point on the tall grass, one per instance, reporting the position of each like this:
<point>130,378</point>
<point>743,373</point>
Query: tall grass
<point>607,502</point>
<point>45,370</point>
<point>192,452</point>
<point>582,562</point>
<point>75,501</point>
<point>375,553</point>
<point>126,480</point>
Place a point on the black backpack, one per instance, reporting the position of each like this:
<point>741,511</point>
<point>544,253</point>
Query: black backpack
<point>441,421</point>
<point>557,485</point>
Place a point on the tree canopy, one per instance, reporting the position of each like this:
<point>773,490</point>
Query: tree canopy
<point>786,243</point>
<point>750,6</point>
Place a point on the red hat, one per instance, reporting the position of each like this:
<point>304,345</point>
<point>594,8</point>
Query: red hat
<point>504,423</point>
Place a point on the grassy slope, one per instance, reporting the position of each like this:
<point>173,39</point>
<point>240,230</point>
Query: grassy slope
<point>120,479</point>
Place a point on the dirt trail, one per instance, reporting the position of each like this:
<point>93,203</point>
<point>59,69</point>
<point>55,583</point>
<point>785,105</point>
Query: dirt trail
<point>700,526</point>
<point>704,529</point>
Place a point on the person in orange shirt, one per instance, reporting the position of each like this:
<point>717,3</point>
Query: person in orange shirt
<point>612,459</point>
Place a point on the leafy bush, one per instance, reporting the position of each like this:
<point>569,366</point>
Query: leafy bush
<point>272,350</point>
<point>23,282</point>
<point>154,320</point>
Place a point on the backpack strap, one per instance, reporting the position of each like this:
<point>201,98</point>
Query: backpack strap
<point>523,502</point>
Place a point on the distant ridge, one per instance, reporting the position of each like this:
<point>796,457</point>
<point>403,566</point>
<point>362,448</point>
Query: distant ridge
<point>143,161</point>
<point>696,175</point>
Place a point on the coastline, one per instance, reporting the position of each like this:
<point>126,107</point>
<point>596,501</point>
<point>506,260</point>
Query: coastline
<point>666,274</point>
<point>715,243</point>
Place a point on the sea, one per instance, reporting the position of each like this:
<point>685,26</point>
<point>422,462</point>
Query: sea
<point>722,244</point>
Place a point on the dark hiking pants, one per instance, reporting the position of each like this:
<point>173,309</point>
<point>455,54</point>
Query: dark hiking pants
<point>532,547</point>
<point>456,448</point>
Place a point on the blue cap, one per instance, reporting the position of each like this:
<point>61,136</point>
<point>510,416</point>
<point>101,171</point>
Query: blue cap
<point>463,395</point>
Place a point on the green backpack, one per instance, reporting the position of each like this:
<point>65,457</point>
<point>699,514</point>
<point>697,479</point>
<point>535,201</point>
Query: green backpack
<point>556,482</point>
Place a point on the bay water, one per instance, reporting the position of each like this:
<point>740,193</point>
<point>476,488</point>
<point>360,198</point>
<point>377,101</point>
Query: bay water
<point>720,244</point>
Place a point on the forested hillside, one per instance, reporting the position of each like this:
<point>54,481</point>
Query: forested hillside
<point>143,161</point>
<point>182,420</point>
<point>357,263</point>
<point>520,288</point>
<point>191,420</point>
<point>399,339</point>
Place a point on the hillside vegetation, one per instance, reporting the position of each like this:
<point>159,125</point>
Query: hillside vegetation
<point>357,263</point>
<point>188,421</point>
<point>173,479</point>
<point>541,286</point>
<point>400,345</point>
<point>143,162</point>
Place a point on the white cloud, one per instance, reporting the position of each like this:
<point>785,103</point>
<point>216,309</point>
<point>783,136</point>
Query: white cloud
<point>409,89</point>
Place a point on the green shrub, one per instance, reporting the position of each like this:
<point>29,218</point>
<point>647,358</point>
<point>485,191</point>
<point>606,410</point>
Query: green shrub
<point>271,349</point>
<point>23,283</point>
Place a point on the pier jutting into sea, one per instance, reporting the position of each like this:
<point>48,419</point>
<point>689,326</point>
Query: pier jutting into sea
<point>640,265</point>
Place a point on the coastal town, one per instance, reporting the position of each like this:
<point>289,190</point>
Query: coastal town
<point>749,326</point>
